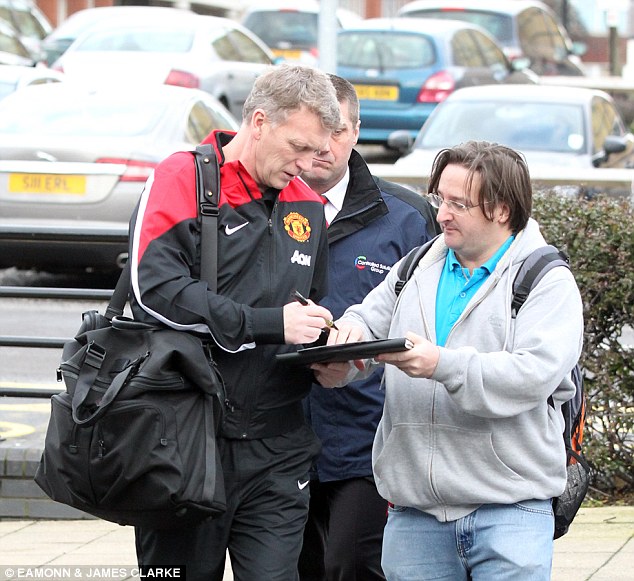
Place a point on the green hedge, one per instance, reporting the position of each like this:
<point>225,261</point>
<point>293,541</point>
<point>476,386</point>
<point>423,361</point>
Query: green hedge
<point>598,235</point>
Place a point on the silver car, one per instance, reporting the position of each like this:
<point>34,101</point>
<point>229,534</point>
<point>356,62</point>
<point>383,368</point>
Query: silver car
<point>73,163</point>
<point>173,47</point>
<point>523,28</point>
<point>554,127</point>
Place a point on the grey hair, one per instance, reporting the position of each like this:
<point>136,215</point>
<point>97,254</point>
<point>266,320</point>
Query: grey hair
<point>286,88</point>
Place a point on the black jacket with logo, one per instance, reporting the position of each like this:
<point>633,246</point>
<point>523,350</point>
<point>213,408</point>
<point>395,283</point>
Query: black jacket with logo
<point>268,246</point>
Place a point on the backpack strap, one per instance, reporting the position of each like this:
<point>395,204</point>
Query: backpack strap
<point>208,190</point>
<point>534,267</point>
<point>409,264</point>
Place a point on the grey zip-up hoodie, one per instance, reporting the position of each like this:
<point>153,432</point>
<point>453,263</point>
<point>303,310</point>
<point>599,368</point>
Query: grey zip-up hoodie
<point>480,431</point>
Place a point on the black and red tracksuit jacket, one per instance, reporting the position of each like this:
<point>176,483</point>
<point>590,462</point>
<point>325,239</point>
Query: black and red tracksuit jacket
<point>265,251</point>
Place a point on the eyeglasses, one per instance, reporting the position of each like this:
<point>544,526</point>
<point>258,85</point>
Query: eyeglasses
<point>454,207</point>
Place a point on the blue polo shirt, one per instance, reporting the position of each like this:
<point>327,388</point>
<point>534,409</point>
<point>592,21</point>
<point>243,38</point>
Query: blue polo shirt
<point>456,288</point>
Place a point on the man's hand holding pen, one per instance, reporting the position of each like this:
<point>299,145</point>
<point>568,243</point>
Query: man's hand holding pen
<point>302,300</point>
<point>304,321</point>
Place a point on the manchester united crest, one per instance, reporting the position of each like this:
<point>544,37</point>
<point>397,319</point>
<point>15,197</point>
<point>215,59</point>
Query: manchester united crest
<point>297,227</point>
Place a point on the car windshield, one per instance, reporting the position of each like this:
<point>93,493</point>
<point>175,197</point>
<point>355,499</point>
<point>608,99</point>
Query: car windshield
<point>280,27</point>
<point>156,39</point>
<point>498,25</point>
<point>100,117</point>
<point>380,50</point>
<point>554,127</point>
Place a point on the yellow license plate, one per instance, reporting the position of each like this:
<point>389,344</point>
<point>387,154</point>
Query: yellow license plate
<point>294,55</point>
<point>377,92</point>
<point>28,183</point>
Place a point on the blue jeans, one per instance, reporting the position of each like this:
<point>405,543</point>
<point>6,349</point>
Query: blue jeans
<point>494,543</point>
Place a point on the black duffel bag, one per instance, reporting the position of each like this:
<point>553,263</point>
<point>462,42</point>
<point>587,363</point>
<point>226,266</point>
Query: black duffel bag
<point>133,439</point>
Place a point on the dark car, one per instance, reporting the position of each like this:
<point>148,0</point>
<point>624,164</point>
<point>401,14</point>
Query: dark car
<point>523,28</point>
<point>403,67</point>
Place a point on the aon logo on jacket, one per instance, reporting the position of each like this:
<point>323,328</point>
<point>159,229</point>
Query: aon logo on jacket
<point>299,258</point>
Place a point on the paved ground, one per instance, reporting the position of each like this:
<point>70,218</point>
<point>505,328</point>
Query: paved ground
<point>599,547</point>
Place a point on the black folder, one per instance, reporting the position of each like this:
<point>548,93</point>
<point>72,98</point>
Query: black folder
<point>345,352</point>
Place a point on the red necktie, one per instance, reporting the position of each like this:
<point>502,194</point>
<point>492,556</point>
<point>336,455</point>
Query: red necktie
<point>324,201</point>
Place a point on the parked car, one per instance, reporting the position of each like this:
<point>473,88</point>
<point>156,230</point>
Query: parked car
<point>29,22</point>
<point>56,43</point>
<point>403,67</point>
<point>173,47</point>
<point>74,162</point>
<point>554,127</point>
<point>524,28</point>
<point>14,77</point>
<point>290,29</point>
<point>12,51</point>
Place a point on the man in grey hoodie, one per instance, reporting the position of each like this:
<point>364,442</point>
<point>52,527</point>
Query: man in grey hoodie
<point>469,453</point>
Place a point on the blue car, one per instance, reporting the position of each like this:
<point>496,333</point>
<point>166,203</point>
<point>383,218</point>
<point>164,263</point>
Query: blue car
<point>402,68</point>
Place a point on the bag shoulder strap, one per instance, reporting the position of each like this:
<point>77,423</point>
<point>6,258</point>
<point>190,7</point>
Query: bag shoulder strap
<point>409,264</point>
<point>119,295</point>
<point>534,267</point>
<point>208,191</point>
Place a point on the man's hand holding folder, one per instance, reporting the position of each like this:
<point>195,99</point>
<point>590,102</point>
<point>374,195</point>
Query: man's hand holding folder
<point>338,374</point>
<point>417,357</point>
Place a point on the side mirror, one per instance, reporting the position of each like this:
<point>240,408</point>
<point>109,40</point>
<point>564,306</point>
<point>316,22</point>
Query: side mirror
<point>614,144</point>
<point>400,140</point>
<point>520,63</point>
<point>579,48</point>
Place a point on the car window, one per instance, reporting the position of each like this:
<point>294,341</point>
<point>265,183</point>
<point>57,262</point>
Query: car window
<point>499,26</point>
<point>203,120</point>
<point>526,126</point>
<point>139,39</point>
<point>492,54</point>
<point>13,45</point>
<point>278,27</point>
<point>43,81</point>
<point>465,50</point>
<point>237,46</point>
<point>385,50</point>
<point>534,36</point>
<point>25,22</point>
<point>605,121</point>
<point>224,48</point>
<point>556,39</point>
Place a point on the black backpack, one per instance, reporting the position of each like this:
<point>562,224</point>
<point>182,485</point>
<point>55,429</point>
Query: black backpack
<point>534,267</point>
